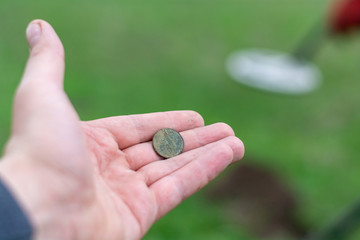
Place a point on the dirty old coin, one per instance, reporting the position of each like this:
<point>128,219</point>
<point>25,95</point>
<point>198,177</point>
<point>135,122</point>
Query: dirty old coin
<point>168,143</point>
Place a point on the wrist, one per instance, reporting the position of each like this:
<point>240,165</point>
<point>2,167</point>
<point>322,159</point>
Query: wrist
<point>14,223</point>
<point>26,187</point>
<point>44,199</point>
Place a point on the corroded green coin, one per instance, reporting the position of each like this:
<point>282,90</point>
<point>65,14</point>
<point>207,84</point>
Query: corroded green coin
<point>168,143</point>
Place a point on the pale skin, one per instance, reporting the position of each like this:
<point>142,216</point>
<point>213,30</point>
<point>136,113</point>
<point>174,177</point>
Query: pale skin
<point>99,179</point>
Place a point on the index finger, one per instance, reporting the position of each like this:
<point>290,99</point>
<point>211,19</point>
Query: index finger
<point>134,129</point>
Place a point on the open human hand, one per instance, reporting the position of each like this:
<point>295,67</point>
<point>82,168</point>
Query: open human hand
<point>99,179</point>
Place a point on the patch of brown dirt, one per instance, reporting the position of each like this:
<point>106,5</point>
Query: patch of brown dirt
<point>258,199</point>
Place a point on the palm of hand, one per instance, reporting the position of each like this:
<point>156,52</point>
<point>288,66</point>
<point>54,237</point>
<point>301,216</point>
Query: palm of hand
<point>122,195</point>
<point>130,176</point>
<point>100,179</point>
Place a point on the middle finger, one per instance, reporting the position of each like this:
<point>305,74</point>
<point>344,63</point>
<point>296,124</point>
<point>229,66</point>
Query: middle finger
<point>142,154</point>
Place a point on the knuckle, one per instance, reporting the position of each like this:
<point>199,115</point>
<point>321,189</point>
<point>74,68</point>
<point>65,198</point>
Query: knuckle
<point>238,146</point>
<point>197,117</point>
<point>226,129</point>
<point>48,52</point>
<point>225,151</point>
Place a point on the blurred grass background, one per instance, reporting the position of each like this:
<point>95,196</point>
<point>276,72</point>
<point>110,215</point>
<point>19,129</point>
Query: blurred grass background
<point>126,57</point>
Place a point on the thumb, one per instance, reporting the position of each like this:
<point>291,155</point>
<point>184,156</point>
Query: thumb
<point>40,99</point>
<point>46,61</point>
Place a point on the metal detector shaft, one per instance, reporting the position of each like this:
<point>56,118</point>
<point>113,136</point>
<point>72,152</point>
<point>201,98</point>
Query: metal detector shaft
<point>342,227</point>
<point>310,45</point>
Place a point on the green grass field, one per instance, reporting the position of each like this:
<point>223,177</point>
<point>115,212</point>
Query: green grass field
<point>126,57</point>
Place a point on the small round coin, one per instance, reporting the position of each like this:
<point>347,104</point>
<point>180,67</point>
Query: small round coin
<point>168,143</point>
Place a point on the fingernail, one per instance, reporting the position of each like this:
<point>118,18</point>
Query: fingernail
<point>33,33</point>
